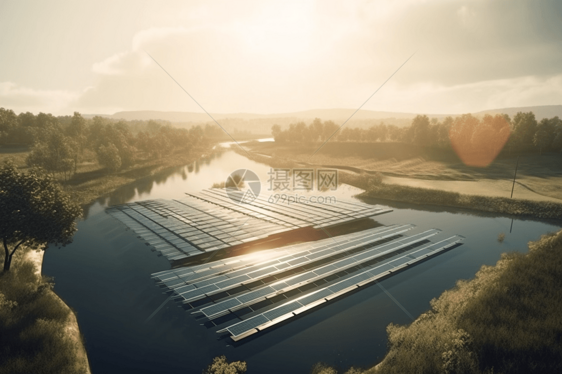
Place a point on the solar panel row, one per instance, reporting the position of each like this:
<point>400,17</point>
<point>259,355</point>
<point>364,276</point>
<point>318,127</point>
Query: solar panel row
<point>317,215</point>
<point>290,309</point>
<point>210,220</point>
<point>199,272</point>
<point>322,272</point>
<point>279,265</point>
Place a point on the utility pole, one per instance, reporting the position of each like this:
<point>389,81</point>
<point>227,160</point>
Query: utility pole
<point>514,176</point>
<point>512,188</point>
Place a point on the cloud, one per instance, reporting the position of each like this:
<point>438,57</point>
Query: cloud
<point>23,99</point>
<point>431,98</point>
<point>122,63</point>
<point>278,57</point>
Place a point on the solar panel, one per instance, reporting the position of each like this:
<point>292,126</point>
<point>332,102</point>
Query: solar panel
<point>221,307</point>
<point>315,296</point>
<point>255,295</point>
<point>281,310</point>
<point>250,323</point>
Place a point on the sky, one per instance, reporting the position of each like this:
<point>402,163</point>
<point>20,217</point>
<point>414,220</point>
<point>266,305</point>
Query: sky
<point>279,56</point>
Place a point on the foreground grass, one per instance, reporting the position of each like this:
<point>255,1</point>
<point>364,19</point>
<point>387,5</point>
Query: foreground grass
<point>34,325</point>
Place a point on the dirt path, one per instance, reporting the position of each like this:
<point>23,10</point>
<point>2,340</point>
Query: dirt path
<point>483,187</point>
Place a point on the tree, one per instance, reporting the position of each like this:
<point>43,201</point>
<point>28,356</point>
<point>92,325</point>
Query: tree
<point>420,130</point>
<point>276,131</point>
<point>543,135</point>
<point>108,157</point>
<point>316,129</point>
<point>55,153</point>
<point>557,142</point>
<point>221,366</point>
<point>77,132</point>
<point>330,129</point>
<point>382,132</point>
<point>35,211</point>
<point>8,124</point>
<point>524,128</point>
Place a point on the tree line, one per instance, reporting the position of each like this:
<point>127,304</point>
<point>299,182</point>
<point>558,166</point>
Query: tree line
<point>59,144</point>
<point>523,133</point>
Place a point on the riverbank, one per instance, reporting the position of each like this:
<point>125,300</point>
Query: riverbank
<point>513,207</point>
<point>504,320</point>
<point>93,182</point>
<point>40,332</point>
<point>372,183</point>
<point>71,327</point>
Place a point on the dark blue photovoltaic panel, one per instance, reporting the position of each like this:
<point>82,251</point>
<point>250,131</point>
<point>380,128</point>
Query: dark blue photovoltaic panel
<point>250,323</point>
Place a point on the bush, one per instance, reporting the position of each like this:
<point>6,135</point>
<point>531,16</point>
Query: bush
<point>221,366</point>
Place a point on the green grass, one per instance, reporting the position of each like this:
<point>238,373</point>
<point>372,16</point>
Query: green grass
<point>17,154</point>
<point>33,325</point>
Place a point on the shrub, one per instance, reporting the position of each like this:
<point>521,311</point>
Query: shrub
<point>221,366</point>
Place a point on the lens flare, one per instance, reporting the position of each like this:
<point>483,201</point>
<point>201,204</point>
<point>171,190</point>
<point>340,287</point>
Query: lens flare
<point>478,142</point>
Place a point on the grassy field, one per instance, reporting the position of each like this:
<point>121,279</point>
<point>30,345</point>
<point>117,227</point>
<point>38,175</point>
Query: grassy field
<point>17,154</point>
<point>539,177</point>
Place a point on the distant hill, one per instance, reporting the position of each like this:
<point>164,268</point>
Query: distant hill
<point>325,114</point>
<point>546,111</point>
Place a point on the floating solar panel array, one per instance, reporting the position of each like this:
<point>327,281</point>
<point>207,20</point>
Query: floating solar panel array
<point>188,227</point>
<point>332,267</point>
<point>194,286</point>
<point>293,212</point>
<point>210,221</point>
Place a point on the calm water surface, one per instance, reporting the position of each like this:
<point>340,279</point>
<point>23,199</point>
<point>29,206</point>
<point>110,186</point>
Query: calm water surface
<point>129,327</point>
